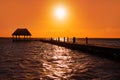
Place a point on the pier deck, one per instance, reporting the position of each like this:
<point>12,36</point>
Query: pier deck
<point>106,52</point>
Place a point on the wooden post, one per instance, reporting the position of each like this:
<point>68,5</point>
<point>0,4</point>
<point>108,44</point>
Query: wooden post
<point>86,40</point>
<point>24,37</point>
<point>13,38</point>
<point>51,39</point>
<point>58,39</point>
<point>64,39</point>
<point>67,39</point>
<point>16,38</point>
<point>30,38</point>
<point>19,38</point>
<point>74,40</point>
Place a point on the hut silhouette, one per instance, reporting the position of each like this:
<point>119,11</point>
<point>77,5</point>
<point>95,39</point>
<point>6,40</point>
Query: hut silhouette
<point>21,34</point>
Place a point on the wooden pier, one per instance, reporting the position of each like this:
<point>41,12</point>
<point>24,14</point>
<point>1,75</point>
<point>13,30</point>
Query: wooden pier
<point>106,52</point>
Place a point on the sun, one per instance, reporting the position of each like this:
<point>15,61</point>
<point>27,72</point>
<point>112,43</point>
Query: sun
<point>60,12</point>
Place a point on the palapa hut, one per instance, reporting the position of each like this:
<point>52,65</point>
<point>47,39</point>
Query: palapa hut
<point>21,34</point>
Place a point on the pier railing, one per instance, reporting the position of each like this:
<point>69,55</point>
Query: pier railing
<point>103,42</point>
<point>107,52</point>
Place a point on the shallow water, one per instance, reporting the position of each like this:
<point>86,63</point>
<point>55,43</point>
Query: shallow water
<point>41,61</point>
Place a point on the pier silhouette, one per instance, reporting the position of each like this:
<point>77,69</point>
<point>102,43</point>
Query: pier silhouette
<point>104,52</point>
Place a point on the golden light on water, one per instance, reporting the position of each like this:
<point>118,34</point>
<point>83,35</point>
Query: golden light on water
<point>60,64</point>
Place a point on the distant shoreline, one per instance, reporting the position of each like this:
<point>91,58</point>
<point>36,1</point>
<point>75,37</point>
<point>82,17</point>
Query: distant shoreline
<point>56,37</point>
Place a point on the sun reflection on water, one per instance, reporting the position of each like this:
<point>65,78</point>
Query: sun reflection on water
<point>58,65</point>
<point>40,61</point>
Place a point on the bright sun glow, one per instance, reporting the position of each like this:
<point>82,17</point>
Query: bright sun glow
<point>60,12</point>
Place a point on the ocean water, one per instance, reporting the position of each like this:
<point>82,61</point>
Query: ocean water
<point>42,61</point>
<point>102,42</point>
<point>105,42</point>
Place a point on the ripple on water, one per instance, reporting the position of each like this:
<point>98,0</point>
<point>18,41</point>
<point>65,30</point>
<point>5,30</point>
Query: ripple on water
<point>42,61</point>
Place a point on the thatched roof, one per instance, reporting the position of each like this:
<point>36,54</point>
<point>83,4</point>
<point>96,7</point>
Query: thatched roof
<point>22,32</point>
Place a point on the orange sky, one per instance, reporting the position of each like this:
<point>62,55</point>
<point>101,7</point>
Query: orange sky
<point>91,18</point>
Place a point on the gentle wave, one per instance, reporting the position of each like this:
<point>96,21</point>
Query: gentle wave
<point>41,61</point>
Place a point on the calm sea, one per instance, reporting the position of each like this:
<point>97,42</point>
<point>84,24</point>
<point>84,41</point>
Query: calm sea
<point>105,42</point>
<point>42,61</point>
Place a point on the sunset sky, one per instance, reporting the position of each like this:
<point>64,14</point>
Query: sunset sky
<point>80,18</point>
